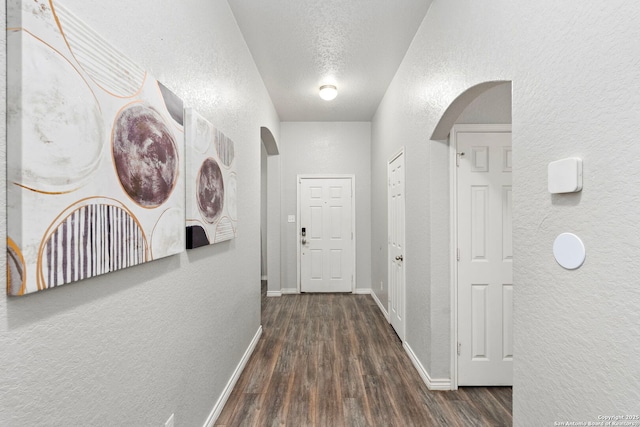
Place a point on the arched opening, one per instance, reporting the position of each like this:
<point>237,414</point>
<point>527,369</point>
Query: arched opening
<point>269,141</point>
<point>458,106</point>
<point>269,212</point>
<point>483,109</point>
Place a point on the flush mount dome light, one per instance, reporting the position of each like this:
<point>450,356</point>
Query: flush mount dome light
<point>328,92</point>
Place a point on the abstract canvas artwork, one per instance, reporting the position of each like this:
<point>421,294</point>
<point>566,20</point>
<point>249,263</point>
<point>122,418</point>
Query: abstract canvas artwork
<point>95,170</point>
<point>211,183</point>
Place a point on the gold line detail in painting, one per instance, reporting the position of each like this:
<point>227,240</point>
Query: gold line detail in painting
<point>70,63</point>
<point>11,244</point>
<point>51,193</point>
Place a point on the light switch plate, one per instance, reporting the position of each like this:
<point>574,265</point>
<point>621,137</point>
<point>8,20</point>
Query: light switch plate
<point>565,176</point>
<point>291,218</point>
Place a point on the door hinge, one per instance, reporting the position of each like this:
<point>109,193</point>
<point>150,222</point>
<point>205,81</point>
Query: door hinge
<point>459,348</point>
<point>458,155</point>
<point>458,254</point>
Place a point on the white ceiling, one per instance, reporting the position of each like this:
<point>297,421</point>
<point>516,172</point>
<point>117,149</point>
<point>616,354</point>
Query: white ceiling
<point>299,45</point>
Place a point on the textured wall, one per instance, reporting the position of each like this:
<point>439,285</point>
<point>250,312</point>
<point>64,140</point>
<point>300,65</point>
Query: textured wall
<point>132,347</point>
<point>326,148</point>
<point>263,210</point>
<point>274,234</point>
<point>574,73</point>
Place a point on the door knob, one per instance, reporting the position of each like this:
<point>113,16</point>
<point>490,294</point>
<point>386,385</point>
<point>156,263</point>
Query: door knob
<point>399,258</point>
<point>304,241</point>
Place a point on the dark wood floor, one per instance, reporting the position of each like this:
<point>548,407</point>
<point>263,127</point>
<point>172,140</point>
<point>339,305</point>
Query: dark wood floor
<point>333,360</point>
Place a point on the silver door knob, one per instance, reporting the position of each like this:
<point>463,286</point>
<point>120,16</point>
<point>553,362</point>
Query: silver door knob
<point>304,241</point>
<point>399,258</point>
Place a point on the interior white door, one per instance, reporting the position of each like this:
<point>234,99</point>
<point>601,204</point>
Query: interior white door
<point>485,278</point>
<point>326,248</point>
<point>396,248</point>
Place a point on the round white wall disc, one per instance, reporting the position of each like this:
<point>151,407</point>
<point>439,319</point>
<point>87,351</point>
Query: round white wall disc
<point>569,251</point>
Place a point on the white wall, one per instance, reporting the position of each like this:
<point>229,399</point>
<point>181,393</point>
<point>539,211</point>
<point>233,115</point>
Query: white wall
<point>574,73</point>
<point>263,210</point>
<point>132,347</point>
<point>326,148</point>
<point>274,234</point>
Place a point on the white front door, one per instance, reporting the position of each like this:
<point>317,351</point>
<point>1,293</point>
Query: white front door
<point>396,248</point>
<point>326,235</point>
<point>485,278</point>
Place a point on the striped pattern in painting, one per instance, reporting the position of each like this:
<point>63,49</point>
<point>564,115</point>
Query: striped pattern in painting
<point>224,230</point>
<point>93,240</point>
<point>225,148</point>
<point>109,68</point>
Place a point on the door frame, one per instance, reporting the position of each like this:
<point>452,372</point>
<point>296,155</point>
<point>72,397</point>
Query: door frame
<point>403,302</point>
<point>299,179</point>
<point>453,226</point>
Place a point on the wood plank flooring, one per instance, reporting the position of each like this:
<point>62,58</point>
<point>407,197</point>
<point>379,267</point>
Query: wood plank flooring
<point>333,360</point>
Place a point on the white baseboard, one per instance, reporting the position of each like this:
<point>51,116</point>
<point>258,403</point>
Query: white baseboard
<point>217,409</point>
<point>432,384</point>
<point>382,309</point>
<point>361,291</point>
<point>285,291</point>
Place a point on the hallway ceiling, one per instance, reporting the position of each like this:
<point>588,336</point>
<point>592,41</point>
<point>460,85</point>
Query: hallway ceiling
<point>300,45</point>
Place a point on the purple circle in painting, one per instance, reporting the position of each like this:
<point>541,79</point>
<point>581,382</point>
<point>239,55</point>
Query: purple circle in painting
<point>210,190</point>
<point>145,155</point>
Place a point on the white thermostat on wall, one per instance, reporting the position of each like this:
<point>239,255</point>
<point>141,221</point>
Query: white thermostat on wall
<point>565,176</point>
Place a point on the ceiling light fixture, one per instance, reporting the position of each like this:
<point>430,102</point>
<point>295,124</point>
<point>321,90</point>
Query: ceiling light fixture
<point>328,92</point>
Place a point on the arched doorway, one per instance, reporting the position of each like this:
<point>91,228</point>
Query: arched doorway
<point>476,113</point>
<point>270,212</point>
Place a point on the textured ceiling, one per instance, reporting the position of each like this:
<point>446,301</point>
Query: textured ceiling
<point>299,45</point>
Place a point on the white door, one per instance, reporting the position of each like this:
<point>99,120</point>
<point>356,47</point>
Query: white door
<point>396,247</point>
<point>485,278</point>
<point>326,248</point>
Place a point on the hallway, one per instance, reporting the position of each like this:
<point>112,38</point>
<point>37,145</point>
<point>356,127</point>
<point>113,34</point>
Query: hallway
<point>333,360</point>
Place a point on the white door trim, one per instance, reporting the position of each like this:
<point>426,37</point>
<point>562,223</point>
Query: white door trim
<point>299,179</point>
<point>399,153</point>
<point>453,244</point>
